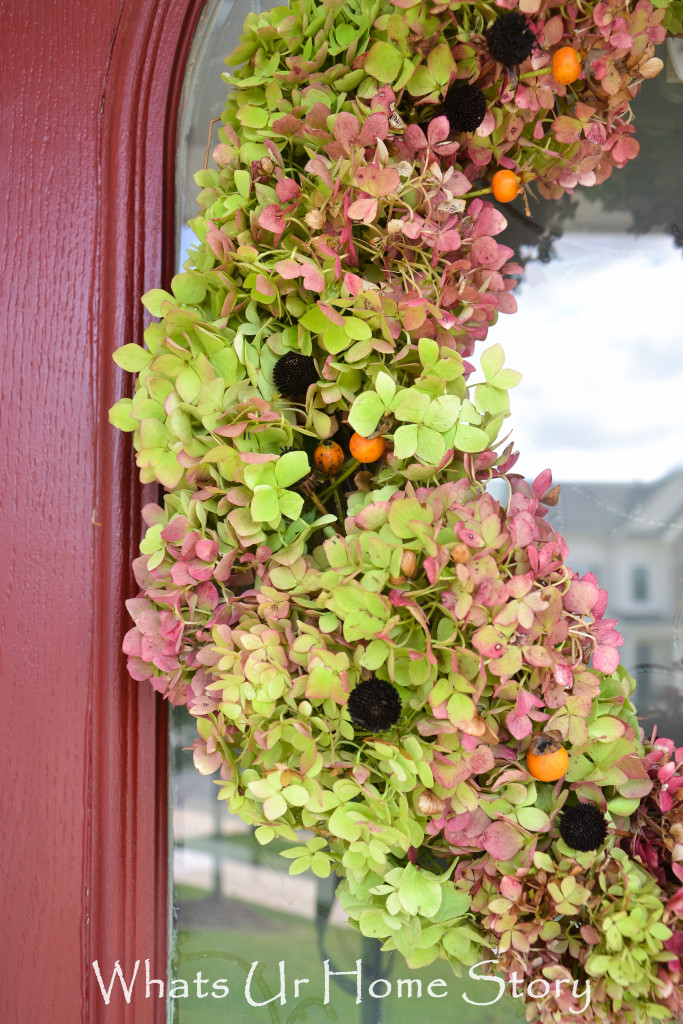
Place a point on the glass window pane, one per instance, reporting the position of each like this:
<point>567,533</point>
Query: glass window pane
<point>596,339</point>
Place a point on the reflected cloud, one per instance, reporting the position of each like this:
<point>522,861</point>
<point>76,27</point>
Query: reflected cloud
<point>597,336</point>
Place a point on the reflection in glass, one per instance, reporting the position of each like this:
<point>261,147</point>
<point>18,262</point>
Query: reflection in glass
<point>597,339</point>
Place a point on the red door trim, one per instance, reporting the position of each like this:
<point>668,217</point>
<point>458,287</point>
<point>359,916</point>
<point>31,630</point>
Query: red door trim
<point>126,901</point>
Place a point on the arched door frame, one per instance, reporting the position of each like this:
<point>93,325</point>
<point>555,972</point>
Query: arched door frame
<point>126,900</point>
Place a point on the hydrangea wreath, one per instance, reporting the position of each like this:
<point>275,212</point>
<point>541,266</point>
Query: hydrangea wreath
<point>386,664</point>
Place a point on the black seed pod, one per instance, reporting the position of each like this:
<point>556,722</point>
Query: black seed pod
<point>465,106</point>
<point>294,373</point>
<point>374,705</point>
<point>510,39</point>
<point>583,827</point>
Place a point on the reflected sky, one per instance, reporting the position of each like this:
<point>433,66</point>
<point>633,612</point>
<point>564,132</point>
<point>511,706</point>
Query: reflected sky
<point>598,339</point>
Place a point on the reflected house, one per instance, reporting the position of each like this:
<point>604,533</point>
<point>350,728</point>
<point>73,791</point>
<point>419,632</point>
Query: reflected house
<point>630,535</point>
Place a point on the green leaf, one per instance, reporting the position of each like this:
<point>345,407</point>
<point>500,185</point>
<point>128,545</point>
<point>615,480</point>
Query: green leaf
<point>375,654</point>
<point>419,891</point>
<point>606,729</point>
<point>252,117</point>
<point>168,471</point>
<point>412,405</point>
<point>597,964</point>
<point>620,805</point>
<point>405,441</point>
<point>506,379</point>
<point>314,320</point>
<point>421,82</point>
<point>340,824</point>
<point>366,412</point>
<point>491,399</point>
<point>188,385</point>
<point>119,415</point>
<point>335,339</point>
<point>461,709</point>
<point>320,865</point>
<point>291,504</point>
<point>385,387</point>
<point>188,289</point>
<point>454,904</point>
<point>259,474</point>
<point>264,505</point>
<point>470,439</point>
<point>349,598</point>
<point>243,182</point>
<point>492,361</point>
<point>296,795</point>
<point>441,64</point>
<point>442,413</point>
<point>152,434</point>
<point>532,819</point>
<point>373,924</point>
<point>152,300</point>
<point>428,351</point>
<point>291,467</point>
<point>431,446</point>
<point>384,62</point>
<point>402,516</point>
<point>275,806</point>
<point>357,329</point>
<point>297,867</point>
<point>132,358</point>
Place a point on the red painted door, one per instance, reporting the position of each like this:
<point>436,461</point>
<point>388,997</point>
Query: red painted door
<point>89,95</point>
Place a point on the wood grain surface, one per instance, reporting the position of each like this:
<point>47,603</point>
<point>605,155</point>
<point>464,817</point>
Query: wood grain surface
<point>88,101</point>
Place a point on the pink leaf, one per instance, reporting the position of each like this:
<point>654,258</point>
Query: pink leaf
<point>376,126</point>
<point>176,530</point>
<point>581,596</point>
<point>231,430</point>
<point>313,278</point>
<point>132,643</point>
<point>363,209</point>
<point>438,131</point>
<point>287,189</point>
<point>377,181</point>
<point>542,483</point>
<point>319,166</point>
<point>458,184</point>
<point>518,726</point>
<point>353,284</point>
<point>288,269</point>
<point>346,129</point>
<point>502,841</point>
<point>415,138</point>
<point>206,549</point>
<point>485,251</point>
<point>625,149</point>
<point>206,763</point>
<point>288,125</point>
<point>487,126</point>
<point>489,642</point>
<point>605,659</point>
<point>510,888</point>
<point>273,219</point>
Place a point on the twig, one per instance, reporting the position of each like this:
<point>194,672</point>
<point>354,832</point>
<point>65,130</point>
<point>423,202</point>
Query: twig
<point>208,141</point>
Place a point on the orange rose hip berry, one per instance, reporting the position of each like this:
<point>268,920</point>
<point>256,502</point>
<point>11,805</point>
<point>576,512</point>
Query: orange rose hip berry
<point>505,186</point>
<point>328,457</point>
<point>546,759</point>
<point>566,65</point>
<point>367,449</point>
